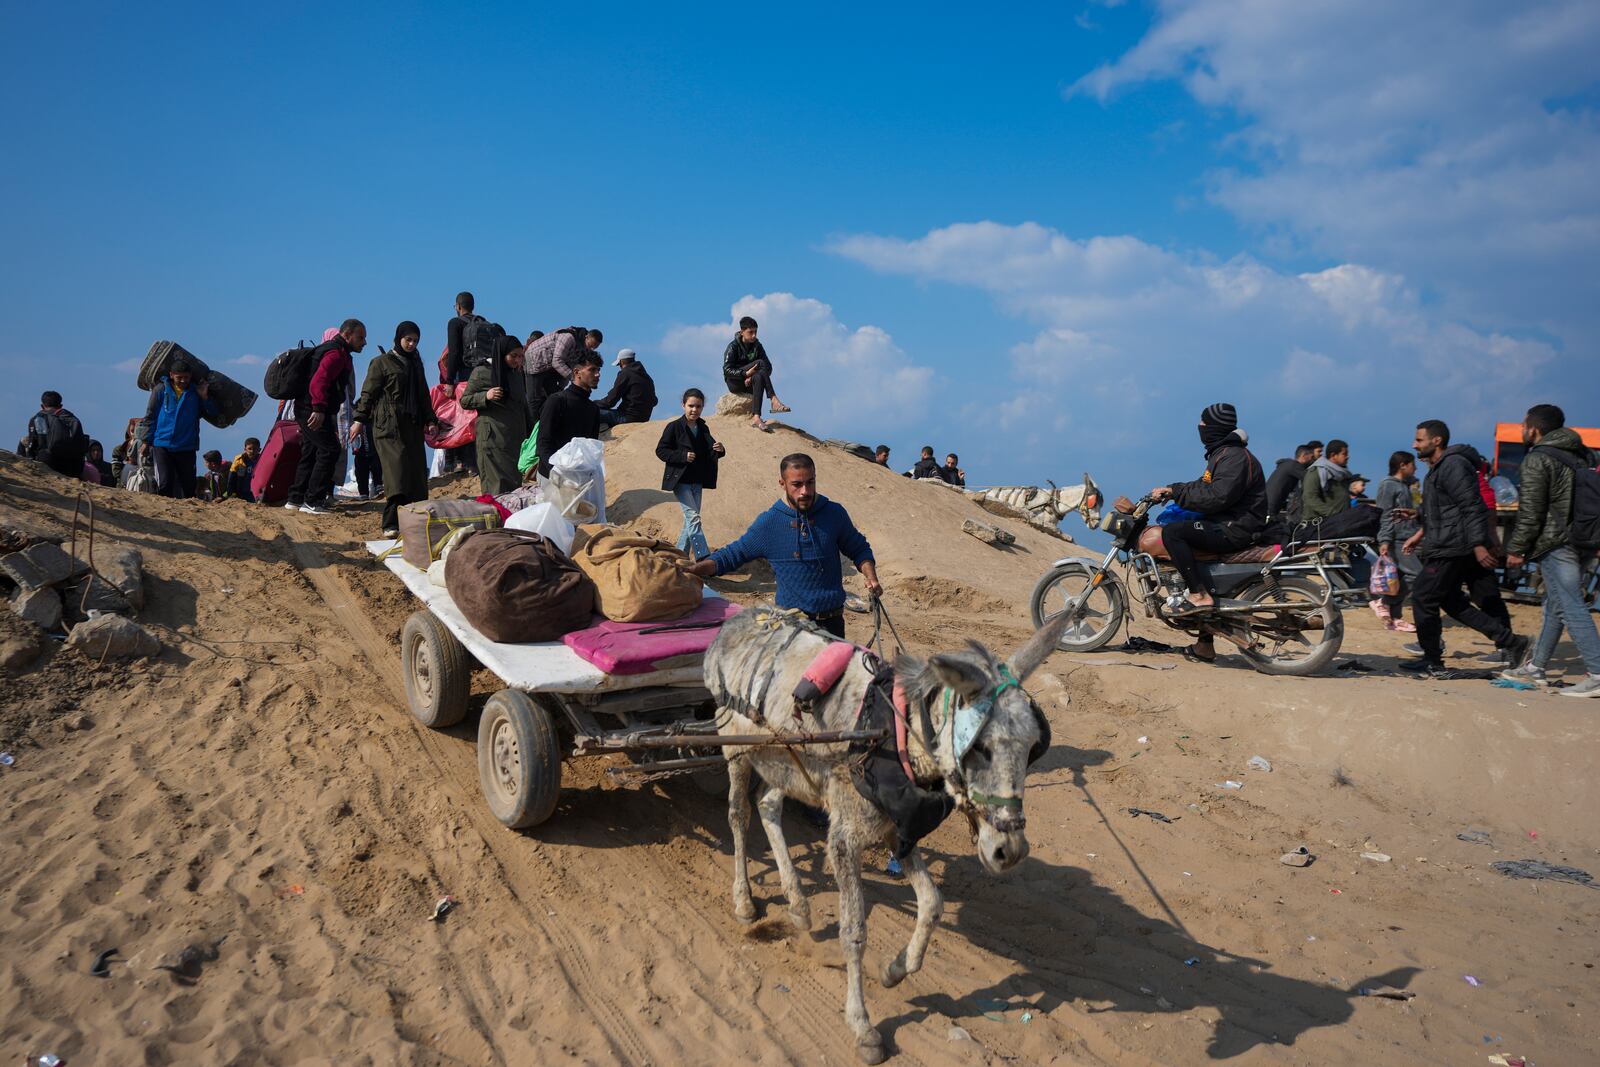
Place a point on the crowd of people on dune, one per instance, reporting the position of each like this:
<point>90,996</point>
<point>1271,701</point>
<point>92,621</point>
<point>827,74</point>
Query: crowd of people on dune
<point>532,397</point>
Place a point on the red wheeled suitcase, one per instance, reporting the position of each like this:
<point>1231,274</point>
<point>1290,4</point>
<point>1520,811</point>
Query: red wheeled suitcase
<point>279,457</point>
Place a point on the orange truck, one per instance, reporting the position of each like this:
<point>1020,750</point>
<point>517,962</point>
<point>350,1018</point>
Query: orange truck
<point>1509,450</point>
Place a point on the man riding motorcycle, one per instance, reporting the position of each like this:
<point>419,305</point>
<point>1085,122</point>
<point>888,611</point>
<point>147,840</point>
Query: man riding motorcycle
<point>1231,500</point>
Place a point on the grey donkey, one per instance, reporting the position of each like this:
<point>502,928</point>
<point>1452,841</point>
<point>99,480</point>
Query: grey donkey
<point>752,670</point>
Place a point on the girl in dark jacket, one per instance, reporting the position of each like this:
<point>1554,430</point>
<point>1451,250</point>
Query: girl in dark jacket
<point>690,454</point>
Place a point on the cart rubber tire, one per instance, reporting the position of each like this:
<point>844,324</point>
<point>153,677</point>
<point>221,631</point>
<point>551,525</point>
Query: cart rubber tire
<point>437,669</point>
<point>519,759</point>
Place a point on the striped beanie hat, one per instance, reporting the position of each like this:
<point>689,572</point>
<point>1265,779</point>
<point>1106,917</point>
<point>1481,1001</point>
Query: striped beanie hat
<point>1220,416</point>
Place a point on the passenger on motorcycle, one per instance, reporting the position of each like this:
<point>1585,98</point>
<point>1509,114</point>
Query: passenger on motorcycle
<point>1231,497</point>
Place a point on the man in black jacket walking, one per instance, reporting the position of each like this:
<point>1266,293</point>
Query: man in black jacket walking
<point>570,414</point>
<point>633,395</point>
<point>1231,495</point>
<point>1453,545</point>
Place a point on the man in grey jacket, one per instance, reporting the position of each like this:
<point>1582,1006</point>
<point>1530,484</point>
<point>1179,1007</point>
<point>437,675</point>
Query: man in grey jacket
<point>1543,534</point>
<point>1453,545</point>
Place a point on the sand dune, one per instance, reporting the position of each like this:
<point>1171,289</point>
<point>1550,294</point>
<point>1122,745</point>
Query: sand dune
<point>259,797</point>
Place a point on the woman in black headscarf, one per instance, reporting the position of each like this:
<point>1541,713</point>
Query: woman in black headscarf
<point>395,403</point>
<point>497,392</point>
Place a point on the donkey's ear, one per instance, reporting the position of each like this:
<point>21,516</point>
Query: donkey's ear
<point>966,678</point>
<point>1025,660</point>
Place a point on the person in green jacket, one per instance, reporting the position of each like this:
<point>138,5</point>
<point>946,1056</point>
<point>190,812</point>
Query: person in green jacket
<point>395,403</point>
<point>1325,490</point>
<point>497,391</point>
<point>1544,535</point>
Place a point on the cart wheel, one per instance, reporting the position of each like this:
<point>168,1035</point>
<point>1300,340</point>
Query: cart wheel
<point>519,759</point>
<point>438,671</point>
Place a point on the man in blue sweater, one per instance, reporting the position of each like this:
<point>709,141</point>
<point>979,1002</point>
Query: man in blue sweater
<point>803,536</point>
<point>172,428</point>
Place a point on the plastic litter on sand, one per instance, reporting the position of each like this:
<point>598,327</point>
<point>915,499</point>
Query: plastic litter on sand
<point>7,759</point>
<point>441,909</point>
<point>1539,870</point>
<point>1471,980</point>
<point>1259,763</point>
<point>1376,857</point>
<point>1230,784</point>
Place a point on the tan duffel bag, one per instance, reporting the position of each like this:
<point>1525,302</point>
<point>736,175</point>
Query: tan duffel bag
<point>637,579</point>
<point>427,524</point>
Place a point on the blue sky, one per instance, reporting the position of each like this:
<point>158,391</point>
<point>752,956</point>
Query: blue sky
<point>1043,237</point>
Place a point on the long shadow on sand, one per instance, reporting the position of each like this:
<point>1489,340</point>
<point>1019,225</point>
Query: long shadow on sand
<point>1072,941</point>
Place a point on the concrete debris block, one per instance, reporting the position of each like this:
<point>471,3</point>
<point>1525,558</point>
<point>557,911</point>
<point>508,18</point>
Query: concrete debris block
<point>736,404</point>
<point>990,535</point>
<point>124,569</point>
<point>114,637</point>
<point>42,607</point>
<point>40,565</point>
<point>20,648</point>
<point>855,449</point>
<point>18,531</point>
<point>101,596</point>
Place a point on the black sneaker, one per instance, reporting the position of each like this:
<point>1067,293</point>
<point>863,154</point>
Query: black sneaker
<point>1517,650</point>
<point>1430,668</point>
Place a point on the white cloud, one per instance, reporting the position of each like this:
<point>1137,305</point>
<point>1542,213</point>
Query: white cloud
<point>1129,331</point>
<point>248,360</point>
<point>1418,138</point>
<point>838,379</point>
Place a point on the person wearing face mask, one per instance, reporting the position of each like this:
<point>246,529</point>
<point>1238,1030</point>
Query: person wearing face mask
<point>394,402</point>
<point>1230,497</point>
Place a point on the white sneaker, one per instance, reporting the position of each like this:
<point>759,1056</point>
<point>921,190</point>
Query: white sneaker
<point>1527,673</point>
<point>288,506</point>
<point>391,533</point>
<point>1589,687</point>
<point>312,509</point>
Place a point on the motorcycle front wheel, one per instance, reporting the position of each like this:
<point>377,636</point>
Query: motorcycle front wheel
<point>1295,650</point>
<point>1098,618</point>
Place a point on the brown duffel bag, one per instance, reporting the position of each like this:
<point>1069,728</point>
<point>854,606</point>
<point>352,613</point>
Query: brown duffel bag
<point>427,524</point>
<point>515,586</point>
<point>637,579</point>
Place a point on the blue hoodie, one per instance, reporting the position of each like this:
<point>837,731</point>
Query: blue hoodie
<point>804,549</point>
<point>174,418</point>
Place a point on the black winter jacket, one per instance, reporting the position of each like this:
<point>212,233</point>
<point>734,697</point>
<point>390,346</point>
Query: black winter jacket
<point>1454,518</point>
<point>566,415</point>
<point>1283,485</point>
<point>738,355</point>
<point>677,441</point>
<point>927,468</point>
<point>1233,490</point>
<point>633,393</point>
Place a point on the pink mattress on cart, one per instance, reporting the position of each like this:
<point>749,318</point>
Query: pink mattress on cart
<point>627,647</point>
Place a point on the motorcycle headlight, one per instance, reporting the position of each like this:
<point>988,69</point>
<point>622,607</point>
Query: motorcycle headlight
<point>1115,523</point>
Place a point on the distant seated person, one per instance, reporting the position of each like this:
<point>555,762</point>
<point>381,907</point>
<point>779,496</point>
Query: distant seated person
<point>214,483</point>
<point>97,459</point>
<point>55,437</point>
<point>951,472</point>
<point>747,371</point>
<point>927,466</point>
<point>633,395</point>
<point>243,470</point>
<point>880,455</point>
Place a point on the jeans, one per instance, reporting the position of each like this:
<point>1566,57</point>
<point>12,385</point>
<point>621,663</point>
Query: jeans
<point>610,417</point>
<point>1409,566</point>
<point>692,538</point>
<point>174,472</point>
<point>1443,586</point>
<point>1562,572</point>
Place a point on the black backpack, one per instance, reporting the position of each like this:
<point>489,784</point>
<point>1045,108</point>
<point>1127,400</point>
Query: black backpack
<point>477,341</point>
<point>1584,533</point>
<point>58,435</point>
<point>289,374</point>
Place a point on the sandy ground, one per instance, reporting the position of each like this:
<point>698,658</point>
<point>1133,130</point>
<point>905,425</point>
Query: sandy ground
<point>260,793</point>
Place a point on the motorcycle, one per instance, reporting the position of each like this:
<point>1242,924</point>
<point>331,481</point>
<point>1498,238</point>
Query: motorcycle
<point>1277,605</point>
